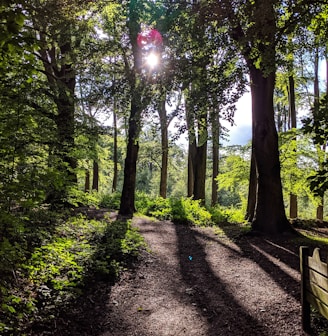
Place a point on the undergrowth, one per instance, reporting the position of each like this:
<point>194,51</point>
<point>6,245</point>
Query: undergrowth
<point>47,258</point>
<point>186,210</point>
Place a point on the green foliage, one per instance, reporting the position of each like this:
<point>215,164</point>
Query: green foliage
<point>78,197</point>
<point>161,208</point>
<point>298,159</point>
<point>179,210</point>
<point>316,126</point>
<point>143,202</point>
<point>227,214</point>
<point>233,177</point>
<point>187,210</point>
<point>111,201</point>
<point>43,271</point>
<point>191,211</point>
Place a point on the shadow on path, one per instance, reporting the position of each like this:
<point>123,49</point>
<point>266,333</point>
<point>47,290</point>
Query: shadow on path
<point>225,315</point>
<point>275,256</point>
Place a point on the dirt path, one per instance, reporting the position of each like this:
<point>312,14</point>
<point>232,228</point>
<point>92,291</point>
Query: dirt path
<point>196,283</point>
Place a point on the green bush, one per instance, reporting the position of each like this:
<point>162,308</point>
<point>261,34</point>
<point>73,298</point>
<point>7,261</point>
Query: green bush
<point>160,208</point>
<point>143,202</point>
<point>77,197</point>
<point>223,214</point>
<point>111,201</point>
<point>51,274</point>
<point>219,215</point>
<point>190,211</point>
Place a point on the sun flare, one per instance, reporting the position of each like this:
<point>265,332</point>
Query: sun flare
<point>152,60</point>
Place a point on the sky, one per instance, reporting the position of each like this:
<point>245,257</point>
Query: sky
<point>241,132</point>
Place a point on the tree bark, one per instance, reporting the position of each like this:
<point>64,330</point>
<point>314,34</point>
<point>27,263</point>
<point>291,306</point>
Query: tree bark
<point>192,148</point>
<point>201,158</point>
<point>87,181</point>
<point>115,155</point>
<point>165,148</point>
<point>252,190</point>
<point>215,155</point>
<point>292,115</point>
<point>61,79</point>
<point>95,175</point>
<point>319,214</point>
<point>269,216</point>
<point>127,207</point>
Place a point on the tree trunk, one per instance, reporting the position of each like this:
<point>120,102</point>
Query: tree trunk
<point>200,172</point>
<point>201,158</point>
<point>127,207</point>
<point>115,156</point>
<point>95,175</point>
<point>316,106</point>
<point>252,187</point>
<point>61,78</point>
<point>292,115</point>
<point>137,85</point>
<point>87,181</point>
<point>165,148</point>
<point>269,216</point>
<point>192,148</point>
<point>215,155</point>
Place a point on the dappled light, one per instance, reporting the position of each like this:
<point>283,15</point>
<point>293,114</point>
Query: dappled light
<point>127,204</point>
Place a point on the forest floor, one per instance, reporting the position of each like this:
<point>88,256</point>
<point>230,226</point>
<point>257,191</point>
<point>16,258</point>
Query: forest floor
<point>197,281</point>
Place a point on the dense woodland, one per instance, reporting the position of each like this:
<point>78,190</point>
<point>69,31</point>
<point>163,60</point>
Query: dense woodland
<point>87,122</point>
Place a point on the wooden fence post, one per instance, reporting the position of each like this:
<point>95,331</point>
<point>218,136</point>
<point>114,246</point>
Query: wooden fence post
<point>306,309</point>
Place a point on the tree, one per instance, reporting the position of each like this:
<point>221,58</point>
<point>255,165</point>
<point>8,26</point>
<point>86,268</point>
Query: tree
<point>139,100</point>
<point>233,173</point>
<point>256,27</point>
<point>55,26</point>
<point>212,80</point>
<point>318,37</point>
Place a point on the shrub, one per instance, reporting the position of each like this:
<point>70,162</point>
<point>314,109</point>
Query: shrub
<point>222,214</point>
<point>190,211</point>
<point>160,208</point>
<point>143,202</point>
<point>51,274</point>
<point>111,201</point>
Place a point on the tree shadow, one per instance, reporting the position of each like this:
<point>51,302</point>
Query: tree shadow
<point>278,256</point>
<point>210,294</point>
<point>87,313</point>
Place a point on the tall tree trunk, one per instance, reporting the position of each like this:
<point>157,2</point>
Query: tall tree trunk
<point>115,156</point>
<point>252,190</point>
<point>192,148</point>
<point>65,121</point>
<point>269,216</point>
<point>192,151</point>
<point>95,175</point>
<point>215,154</point>
<point>127,207</point>
<point>61,79</point>
<point>165,148</point>
<point>316,107</point>
<point>201,158</point>
<point>292,115</point>
<point>87,181</point>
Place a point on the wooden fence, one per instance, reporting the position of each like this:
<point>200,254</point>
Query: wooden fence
<point>314,285</point>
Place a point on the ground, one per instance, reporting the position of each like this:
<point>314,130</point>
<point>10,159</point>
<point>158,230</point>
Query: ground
<point>195,281</point>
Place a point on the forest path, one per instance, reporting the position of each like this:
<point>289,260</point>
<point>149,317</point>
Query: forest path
<point>194,282</point>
